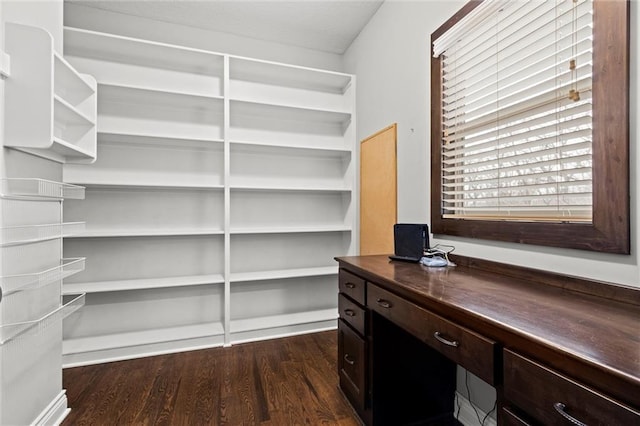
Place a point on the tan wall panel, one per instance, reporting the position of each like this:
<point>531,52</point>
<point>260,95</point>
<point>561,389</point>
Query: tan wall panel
<point>378,191</point>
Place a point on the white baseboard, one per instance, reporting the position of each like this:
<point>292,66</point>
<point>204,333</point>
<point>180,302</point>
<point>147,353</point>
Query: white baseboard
<point>111,354</point>
<point>55,412</point>
<point>467,416</point>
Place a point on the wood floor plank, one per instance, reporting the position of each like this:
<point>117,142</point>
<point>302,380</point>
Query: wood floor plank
<point>278,382</point>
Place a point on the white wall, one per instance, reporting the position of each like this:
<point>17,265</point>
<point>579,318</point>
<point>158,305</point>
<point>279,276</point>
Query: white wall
<point>90,18</point>
<point>390,58</point>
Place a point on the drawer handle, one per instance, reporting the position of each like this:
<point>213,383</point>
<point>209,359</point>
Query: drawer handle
<point>350,285</point>
<point>447,342</point>
<point>384,303</point>
<point>559,406</point>
<point>350,312</point>
<point>348,359</point>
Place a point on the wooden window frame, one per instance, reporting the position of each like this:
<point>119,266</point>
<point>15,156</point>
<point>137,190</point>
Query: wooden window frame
<point>609,230</point>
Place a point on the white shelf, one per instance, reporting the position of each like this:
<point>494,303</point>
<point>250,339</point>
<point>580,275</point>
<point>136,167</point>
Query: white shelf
<point>115,48</point>
<point>132,258</point>
<point>10,333</point>
<point>118,233</point>
<point>14,235</point>
<point>262,323</point>
<point>140,338</point>
<point>108,183</point>
<point>70,116</point>
<point>309,150</point>
<point>15,283</point>
<point>157,140</point>
<point>288,75</point>
<point>146,165</point>
<point>53,107</point>
<point>62,151</point>
<point>129,114</point>
<point>290,230</point>
<point>142,284</point>
<point>283,188</point>
<point>146,96</point>
<point>39,189</point>
<point>71,84</point>
<point>246,107</point>
<point>283,274</point>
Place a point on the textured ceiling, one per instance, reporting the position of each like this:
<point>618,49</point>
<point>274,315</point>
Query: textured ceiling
<point>326,25</point>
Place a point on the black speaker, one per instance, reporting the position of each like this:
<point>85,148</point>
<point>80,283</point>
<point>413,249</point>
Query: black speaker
<point>410,241</point>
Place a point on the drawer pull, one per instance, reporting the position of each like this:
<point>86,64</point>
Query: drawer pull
<point>350,285</point>
<point>348,359</point>
<point>350,312</point>
<point>384,303</point>
<point>559,406</point>
<point>447,342</point>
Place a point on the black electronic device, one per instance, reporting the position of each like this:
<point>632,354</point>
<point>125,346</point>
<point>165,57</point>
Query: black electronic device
<point>410,241</point>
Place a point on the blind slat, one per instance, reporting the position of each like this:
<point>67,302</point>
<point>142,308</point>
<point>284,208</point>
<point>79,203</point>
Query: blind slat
<point>503,112</point>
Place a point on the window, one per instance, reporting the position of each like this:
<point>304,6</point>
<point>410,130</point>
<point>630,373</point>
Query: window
<point>530,126</point>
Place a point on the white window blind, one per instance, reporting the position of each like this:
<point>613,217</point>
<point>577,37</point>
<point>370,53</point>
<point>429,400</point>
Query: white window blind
<point>517,111</point>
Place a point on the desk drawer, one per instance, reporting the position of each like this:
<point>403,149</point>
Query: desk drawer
<point>352,365</point>
<point>509,418</point>
<point>352,285</point>
<point>461,345</point>
<point>351,313</point>
<point>550,397</point>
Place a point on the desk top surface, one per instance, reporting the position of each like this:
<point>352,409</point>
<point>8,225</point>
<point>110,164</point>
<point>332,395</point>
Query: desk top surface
<point>601,334</point>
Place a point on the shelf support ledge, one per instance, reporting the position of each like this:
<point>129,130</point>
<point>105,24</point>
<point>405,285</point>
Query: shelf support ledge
<point>5,65</point>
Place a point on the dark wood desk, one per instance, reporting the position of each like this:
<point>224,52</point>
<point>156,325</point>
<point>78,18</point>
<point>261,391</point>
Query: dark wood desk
<point>553,346</point>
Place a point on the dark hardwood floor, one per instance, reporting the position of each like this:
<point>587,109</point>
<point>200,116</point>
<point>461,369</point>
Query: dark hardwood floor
<point>281,382</point>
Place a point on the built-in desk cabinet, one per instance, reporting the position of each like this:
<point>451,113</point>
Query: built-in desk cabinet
<point>544,396</point>
<point>352,345</point>
<point>403,328</point>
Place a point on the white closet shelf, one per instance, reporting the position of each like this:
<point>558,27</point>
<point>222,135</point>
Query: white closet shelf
<point>10,284</point>
<point>261,323</point>
<point>142,284</point>
<point>273,144</point>
<point>53,107</point>
<point>71,84</point>
<point>157,140</point>
<point>14,235</point>
<point>144,185</point>
<point>63,151</point>
<point>291,229</point>
<point>322,150</point>
<point>245,107</point>
<point>11,333</point>
<point>97,45</point>
<point>260,71</point>
<point>140,338</point>
<point>156,232</point>
<point>40,189</point>
<point>283,274</point>
<point>70,115</point>
<point>154,97</point>
<point>288,188</point>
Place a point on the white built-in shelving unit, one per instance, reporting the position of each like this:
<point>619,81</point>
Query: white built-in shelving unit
<point>32,308</point>
<point>51,107</point>
<point>222,191</point>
